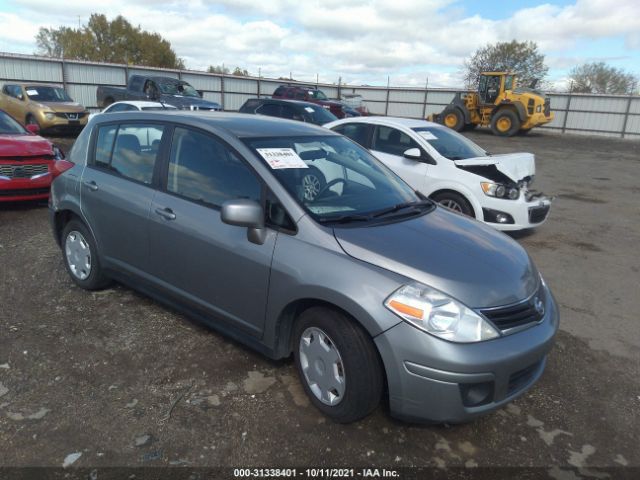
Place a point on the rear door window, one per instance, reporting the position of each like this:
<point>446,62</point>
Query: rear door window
<point>271,109</point>
<point>392,141</point>
<point>129,150</point>
<point>358,132</point>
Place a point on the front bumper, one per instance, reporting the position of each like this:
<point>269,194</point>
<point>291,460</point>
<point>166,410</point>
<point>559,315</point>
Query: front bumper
<point>432,380</point>
<point>60,124</point>
<point>524,214</point>
<point>22,189</point>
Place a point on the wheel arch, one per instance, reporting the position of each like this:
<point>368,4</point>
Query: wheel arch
<point>516,107</point>
<point>475,205</point>
<point>292,311</point>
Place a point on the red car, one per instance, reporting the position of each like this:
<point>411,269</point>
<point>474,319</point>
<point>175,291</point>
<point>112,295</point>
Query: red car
<point>28,162</point>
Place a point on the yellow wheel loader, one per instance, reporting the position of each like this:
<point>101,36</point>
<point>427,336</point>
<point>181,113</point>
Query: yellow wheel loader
<point>498,104</point>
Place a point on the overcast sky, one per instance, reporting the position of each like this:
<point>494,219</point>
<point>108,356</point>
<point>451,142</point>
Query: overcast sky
<point>362,41</point>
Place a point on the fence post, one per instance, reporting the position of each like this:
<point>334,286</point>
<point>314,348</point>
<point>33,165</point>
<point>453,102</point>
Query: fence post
<point>64,74</point>
<point>426,92</point>
<point>222,91</point>
<point>386,104</point>
<point>259,75</point>
<point>626,116</point>
<point>566,112</point>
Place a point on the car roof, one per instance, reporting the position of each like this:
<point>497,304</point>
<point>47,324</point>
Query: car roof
<point>142,103</point>
<point>391,121</point>
<point>300,103</point>
<point>240,125</point>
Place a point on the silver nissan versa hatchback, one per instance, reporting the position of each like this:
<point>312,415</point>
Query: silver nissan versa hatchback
<point>294,240</point>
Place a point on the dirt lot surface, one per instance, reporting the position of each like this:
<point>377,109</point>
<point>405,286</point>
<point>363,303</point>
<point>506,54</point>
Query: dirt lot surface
<point>123,381</point>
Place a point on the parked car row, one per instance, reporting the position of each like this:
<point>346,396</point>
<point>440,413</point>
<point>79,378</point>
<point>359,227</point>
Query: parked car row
<point>372,287</point>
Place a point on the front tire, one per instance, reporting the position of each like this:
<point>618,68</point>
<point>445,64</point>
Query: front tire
<point>454,201</point>
<point>505,123</point>
<point>80,256</point>
<point>338,364</point>
<point>453,118</point>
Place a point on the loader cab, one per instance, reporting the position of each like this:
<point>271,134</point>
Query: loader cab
<point>494,84</point>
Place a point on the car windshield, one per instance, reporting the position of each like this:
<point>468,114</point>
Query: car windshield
<point>177,88</point>
<point>336,181</point>
<point>8,126</point>
<point>317,95</point>
<point>450,144</point>
<point>47,94</point>
<point>320,115</point>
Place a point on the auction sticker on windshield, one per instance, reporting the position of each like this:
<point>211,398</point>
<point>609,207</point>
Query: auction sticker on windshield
<point>427,135</point>
<point>279,158</point>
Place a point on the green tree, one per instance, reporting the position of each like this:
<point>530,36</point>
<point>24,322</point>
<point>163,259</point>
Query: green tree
<point>218,69</point>
<point>115,41</point>
<point>522,58</point>
<point>240,72</point>
<point>598,77</point>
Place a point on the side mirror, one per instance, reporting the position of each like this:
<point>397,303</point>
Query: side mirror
<point>413,154</point>
<point>33,128</point>
<point>245,213</point>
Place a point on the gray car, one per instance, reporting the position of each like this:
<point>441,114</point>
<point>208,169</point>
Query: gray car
<point>295,241</point>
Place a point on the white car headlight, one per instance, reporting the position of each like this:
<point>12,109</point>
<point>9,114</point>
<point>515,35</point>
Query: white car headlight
<point>438,314</point>
<point>49,115</point>
<point>499,190</point>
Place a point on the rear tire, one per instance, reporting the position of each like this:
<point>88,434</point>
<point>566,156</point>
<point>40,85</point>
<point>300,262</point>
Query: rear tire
<point>455,202</point>
<point>505,123</point>
<point>338,364</point>
<point>453,118</point>
<point>80,256</point>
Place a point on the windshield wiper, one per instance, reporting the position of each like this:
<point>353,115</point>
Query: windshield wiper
<point>402,206</point>
<point>345,218</point>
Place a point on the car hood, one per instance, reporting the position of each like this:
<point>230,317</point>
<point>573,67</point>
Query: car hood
<point>72,107</point>
<point>24,146</point>
<point>183,101</point>
<point>516,166</point>
<point>472,262</point>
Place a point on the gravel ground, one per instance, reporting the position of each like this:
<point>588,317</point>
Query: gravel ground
<point>123,381</point>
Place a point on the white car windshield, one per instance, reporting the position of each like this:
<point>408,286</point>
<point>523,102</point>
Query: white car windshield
<point>450,144</point>
<point>336,180</point>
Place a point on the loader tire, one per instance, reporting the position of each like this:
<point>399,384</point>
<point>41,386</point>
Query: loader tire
<point>453,118</point>
<point>505,123</point>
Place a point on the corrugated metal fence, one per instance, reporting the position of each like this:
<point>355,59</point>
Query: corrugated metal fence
<point>611,115</point>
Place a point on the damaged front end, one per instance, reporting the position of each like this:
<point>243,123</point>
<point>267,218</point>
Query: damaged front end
<point>513,204</point>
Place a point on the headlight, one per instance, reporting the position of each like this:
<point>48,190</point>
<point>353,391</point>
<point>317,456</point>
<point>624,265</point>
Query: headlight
<point>49,115</point>
<point>498,190</point>
<point>438,314</point>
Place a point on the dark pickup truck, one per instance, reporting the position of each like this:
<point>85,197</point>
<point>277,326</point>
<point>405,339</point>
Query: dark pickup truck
<point>160,89</point>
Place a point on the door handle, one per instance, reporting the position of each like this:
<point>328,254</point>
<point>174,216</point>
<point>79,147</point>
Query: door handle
<point>91,185</point>
<point>166,213</point>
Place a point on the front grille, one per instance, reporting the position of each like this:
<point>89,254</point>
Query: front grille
<point>23,192</point>
<point>521,378</point>
<point>22,171</point>
<point>547,107</point>
<point>538,214</point>
<point>517,315</point>
<point>71,115</point>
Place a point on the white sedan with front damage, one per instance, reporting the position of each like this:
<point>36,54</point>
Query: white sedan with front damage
<point>452,170</point>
